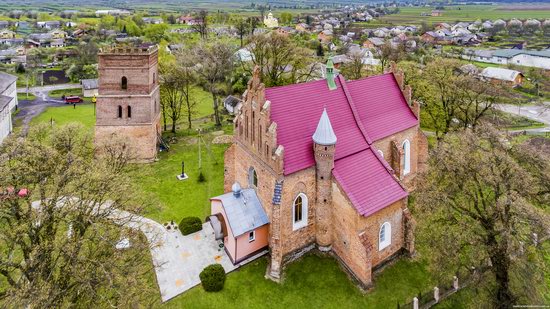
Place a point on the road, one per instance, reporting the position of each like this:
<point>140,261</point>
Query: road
<point>540,113</point>
<point>30,109</point>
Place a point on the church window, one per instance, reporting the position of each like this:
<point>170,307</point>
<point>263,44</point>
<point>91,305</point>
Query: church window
<point>299,212</point>
<point>252,177</point>
<point>129,112</point>
<point>124,83</point>
<point>119,111</point>
<point>407,157</point>
<point>384,236</point>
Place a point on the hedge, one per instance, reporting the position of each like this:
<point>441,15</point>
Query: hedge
<point>213,278</point>
<point>190,225</point>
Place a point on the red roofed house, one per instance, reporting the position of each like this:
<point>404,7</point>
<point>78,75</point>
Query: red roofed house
<point>332,162</point>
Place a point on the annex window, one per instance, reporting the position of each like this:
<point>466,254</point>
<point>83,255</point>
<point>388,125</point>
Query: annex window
<point>119,111</point>
<point>252,236</point>
<point>129,112</point>
<point>406,157</point>
<point>252,178</point>
<point>384,237</point>
<point>299,212</point>
<point>124,83</point>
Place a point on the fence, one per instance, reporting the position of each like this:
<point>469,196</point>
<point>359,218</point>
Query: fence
<point>427,299</point>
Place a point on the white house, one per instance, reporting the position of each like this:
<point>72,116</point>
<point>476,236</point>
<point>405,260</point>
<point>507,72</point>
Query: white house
<point>8,103</point>
<point>89,87</point>
<point>528,58</point>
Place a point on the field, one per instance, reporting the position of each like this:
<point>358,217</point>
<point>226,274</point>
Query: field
<point>412,15</point>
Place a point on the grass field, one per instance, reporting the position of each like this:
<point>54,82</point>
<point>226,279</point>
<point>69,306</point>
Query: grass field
<point>23,96</point>
<point>412,15</point>
<point>83,113</point>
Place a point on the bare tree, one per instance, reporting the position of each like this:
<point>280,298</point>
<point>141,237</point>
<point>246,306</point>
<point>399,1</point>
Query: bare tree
<point>187,74</point>
<point>479,205</point>
<point>215,64</point>
<point>201,25</point>
<point>242,26</point>
<point>61,250</point>
<point>281,60</point>
<point>388,53</point>
<point>354,67</point>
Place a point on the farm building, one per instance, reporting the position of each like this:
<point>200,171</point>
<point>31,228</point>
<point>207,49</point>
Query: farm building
<point>509,77</point>
<point>528,58</point>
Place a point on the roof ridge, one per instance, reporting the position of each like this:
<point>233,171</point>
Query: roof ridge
<point>354,110</point>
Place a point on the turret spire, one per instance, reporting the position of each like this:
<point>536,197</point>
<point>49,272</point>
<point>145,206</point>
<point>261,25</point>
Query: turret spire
<point>324,135</point>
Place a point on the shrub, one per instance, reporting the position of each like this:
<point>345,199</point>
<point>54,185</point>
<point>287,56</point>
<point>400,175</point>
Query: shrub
<point>213,278</point>
<point>201,177</point>
<point>190,225</point>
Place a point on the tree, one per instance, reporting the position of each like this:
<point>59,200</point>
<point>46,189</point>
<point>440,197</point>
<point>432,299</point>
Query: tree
<point>201,25</point>
<point>155,32</point>
<point>171,19</point>
<point>479,203</point>
<point>286,18</point>
<point>354,67</point>
<point>320,50</point>
<point>309,20</point>
<point>242,26</point>
<point>388,53</point>
<point>60,251</point>
<point>450,99</point>
<point>252,23</point>
<point>215,65</point>
<point>280,59</point>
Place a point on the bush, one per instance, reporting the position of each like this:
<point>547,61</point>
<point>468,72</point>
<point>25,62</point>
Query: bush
<point>213,278</point>
<point>201,177</point>
<point>190,225</point>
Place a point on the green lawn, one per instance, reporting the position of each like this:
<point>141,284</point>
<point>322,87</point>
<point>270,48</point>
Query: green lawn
<point>23,96</point>
<point>83,113</point>
<point>311,282</point>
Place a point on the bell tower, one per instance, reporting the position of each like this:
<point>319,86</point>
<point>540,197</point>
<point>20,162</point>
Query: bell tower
<point>324,147</point>
<point>128,103</point>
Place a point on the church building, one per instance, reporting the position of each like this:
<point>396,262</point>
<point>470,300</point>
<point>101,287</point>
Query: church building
<point>326,164</point>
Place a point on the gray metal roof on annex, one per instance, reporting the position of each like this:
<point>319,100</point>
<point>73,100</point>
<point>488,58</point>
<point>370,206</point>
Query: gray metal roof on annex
<point>89,84</point>
<point>509,53</point>
<point>244,212</point>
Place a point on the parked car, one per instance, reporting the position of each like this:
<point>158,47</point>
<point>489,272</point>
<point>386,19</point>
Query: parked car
<point>73,99</point>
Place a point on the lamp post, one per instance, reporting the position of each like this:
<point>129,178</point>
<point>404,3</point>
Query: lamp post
<point>182,176</point>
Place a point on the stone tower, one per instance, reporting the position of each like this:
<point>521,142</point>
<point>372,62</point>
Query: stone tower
<point>128,104</point>
<point>324,147</point>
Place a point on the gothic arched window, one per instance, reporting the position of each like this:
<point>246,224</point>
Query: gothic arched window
<point>299,212</point>
<point>384,239</point>
<point>252,177</point>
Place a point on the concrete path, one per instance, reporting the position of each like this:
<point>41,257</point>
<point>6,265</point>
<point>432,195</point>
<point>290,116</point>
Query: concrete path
<point>540,113</point>
<point>178,260</point>
<point>48,88</point>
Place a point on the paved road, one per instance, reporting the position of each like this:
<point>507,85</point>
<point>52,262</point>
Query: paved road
<point>540,113</point>
<point>30,109</point>
<point>48,88</point>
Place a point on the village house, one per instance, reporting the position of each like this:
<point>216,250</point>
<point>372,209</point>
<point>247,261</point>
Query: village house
<point>187,20</point>
<point>325,36</point>
<point>373,43</point>
<point>270,21</point>
<point>152,20</point>
<point>232,104</point>
<point>8,103</point>
<point>524,57</point>
<point>7,34</point>
<point>326,164</point>
<point>436,13</point>
<point>52,24</point>
<point>4,24</point>
<point>440,26</point>
<point>508,77</point>
<point>57,34</point>
<point>90,88</point>
<point>429,37</point>
<point>302,27</point>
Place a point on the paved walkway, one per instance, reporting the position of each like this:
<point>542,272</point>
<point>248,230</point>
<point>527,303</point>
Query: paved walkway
<point>540,113</point>
<point>178,259</point>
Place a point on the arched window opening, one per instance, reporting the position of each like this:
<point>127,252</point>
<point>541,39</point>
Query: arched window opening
<point>384,239</point>
<point>129,112</point>
<point>119,111</point>
<point>252,178</point>
<point>299,212</point>
<point>406,157</point>
<point>124,83</point>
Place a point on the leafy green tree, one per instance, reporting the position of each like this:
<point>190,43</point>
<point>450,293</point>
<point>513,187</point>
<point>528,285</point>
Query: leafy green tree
<point>59,240</point>
<point>480,203</point>
<point>286,18</point>
<point>155,32</point>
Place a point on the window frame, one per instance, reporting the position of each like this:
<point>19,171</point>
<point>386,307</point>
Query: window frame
<point>296,225</point>
<point>406,157</point>
<point>251,236</point>
<point>386,242</point>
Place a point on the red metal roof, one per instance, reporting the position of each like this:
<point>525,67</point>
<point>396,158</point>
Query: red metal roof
<point>367,183</point>
<point>361,112</point>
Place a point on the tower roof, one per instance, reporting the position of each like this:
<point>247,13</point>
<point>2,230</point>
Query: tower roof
<point>324,134</point>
